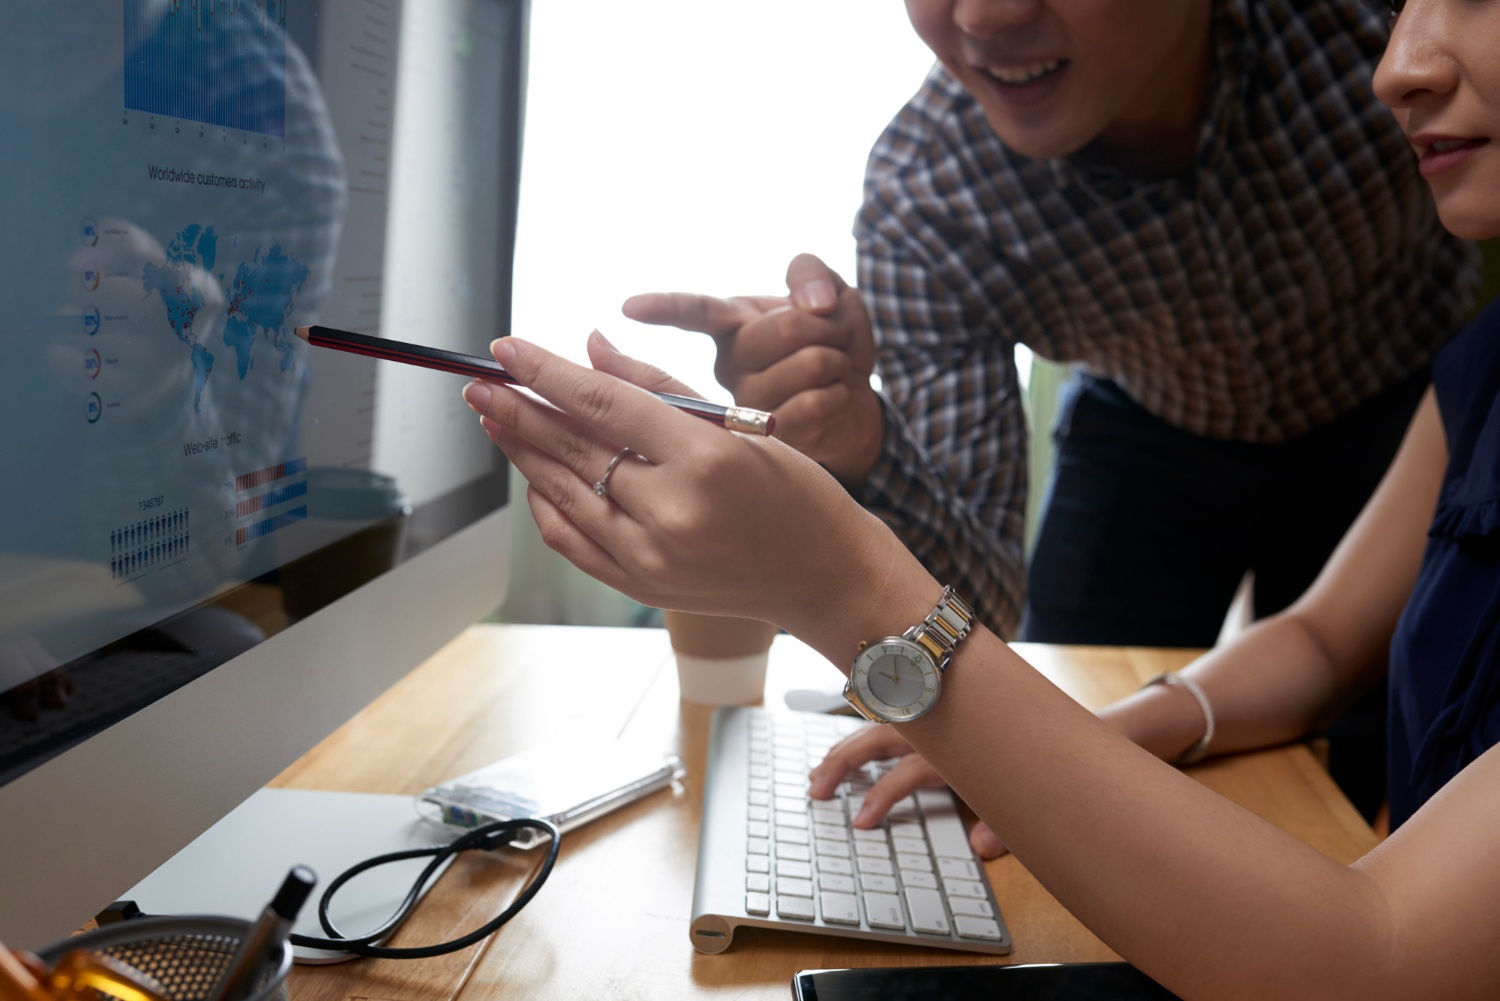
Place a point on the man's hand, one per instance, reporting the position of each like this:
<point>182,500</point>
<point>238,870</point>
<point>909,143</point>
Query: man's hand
<point>878,743</point>
<point>807,357</point>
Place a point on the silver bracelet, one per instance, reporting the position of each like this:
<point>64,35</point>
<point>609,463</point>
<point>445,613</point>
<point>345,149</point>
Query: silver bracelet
<point>1199,749</point>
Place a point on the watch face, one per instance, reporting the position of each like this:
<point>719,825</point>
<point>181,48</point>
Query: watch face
<point>896,679</point>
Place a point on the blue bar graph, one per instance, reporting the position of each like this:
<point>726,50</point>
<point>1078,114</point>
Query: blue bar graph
<point>220,62</point>
<point>260,529</point>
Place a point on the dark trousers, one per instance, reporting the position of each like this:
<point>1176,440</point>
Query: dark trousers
<point>1147,531</point>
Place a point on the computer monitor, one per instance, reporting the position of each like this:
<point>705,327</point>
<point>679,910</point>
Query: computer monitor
<point>217,542</point>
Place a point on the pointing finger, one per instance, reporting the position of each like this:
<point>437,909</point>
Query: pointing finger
<point>705,314</point>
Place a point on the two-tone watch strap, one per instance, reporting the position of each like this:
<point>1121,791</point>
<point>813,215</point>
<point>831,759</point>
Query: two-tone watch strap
<point>944,628</point>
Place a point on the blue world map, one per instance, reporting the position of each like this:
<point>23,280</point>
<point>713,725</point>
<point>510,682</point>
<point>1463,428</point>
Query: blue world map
<point>260,300</point>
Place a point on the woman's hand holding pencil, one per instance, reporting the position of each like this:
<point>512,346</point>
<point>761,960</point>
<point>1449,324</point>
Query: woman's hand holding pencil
<point>741,419</point>
<point>723,524</point>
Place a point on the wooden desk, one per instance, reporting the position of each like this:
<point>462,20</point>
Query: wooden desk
<point>612,921</point>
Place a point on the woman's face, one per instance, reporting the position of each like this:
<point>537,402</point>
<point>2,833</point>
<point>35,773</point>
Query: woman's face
<point>1441,76</point>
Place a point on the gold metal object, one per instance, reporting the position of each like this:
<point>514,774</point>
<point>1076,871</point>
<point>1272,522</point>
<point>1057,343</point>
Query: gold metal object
<point>747,421</point>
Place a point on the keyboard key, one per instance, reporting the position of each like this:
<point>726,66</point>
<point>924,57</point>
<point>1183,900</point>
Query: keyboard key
<point>957,868</point>
<point>758,882</point>
<point>758,829</point>
<point>758,904</point>
<point>883,910</point>
<point>757,863</point>
<point>841,908</point>
<point>981,928</point>
<point>786,887</point>
<point>801,908</point>
<point>927,911</point>
<point>757,846</point>
<point>800,853</point>
<point>827,813</point>
<point>917,863</point>
<point>880,884</point>
<point>964,888</point>
<point>836,849</point>
<point>879,866</point>
<point>833,832</point>
<point>791,835</point>
<point>970,906</point>
<point>914,877</point>
<point>869,834</point>
<point>912,846</point>
<point>793,868</point>
<point>872,849</point>
<point>839,884</point>
<point>841,866</point>
<point>945,831</point>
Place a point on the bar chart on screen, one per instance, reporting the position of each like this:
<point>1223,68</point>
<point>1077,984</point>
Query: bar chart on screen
<point>184,50</point>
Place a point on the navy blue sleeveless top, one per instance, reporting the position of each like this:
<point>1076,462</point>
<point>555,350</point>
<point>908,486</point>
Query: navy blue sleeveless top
<point>1445,655</point>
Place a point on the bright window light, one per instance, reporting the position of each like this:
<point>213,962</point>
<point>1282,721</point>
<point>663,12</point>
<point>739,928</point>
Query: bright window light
<point>683,145</point>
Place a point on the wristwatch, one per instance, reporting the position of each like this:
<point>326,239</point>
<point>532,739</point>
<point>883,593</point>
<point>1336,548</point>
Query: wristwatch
<point>899,678</point>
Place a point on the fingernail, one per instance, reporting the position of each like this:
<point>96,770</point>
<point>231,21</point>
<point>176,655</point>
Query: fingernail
<point>477,395</point>
<point>863,816</point>
<point>503,351</point>
<point>989,844</point>
<point>818,294</point>
<point>597,335</point>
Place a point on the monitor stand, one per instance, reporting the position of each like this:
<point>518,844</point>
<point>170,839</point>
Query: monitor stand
<point>235,867</point>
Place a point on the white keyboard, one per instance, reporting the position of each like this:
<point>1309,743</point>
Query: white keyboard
<point>771,857</point>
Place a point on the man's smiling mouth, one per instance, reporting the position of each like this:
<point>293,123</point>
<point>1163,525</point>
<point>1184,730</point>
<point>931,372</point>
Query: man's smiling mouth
<point>1029,73</point>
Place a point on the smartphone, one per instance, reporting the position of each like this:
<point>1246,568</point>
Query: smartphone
<point>1071,981</point>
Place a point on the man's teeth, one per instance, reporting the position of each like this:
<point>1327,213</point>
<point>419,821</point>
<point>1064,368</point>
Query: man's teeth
<point>1023,74</point>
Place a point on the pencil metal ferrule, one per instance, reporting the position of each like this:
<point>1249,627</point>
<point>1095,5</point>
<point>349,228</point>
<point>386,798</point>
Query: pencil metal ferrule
<point>747,421</point>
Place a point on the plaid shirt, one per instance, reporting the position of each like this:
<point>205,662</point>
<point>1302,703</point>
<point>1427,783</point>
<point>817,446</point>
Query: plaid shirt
<point>1297,270</point>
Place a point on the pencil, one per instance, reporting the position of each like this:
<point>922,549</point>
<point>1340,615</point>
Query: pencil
<point>742,419</point>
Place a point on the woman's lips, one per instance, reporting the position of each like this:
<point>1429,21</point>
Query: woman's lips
<point>1438,155</point>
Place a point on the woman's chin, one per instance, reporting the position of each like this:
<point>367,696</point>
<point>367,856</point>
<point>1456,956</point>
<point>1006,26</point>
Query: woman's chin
<point>1470,218</point>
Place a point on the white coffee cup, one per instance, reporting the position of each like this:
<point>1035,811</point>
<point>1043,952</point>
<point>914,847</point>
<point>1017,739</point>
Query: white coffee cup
<point>721,660</point>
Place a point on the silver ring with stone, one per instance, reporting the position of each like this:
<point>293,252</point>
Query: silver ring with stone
<point>601,488</point>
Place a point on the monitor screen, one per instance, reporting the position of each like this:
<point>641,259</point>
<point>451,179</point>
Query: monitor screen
<point>219,541</point>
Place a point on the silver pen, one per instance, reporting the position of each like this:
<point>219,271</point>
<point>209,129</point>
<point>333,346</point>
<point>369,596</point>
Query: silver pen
<point>266,936</point>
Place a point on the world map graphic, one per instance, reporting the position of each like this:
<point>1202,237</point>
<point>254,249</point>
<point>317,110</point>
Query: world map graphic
<point>260,299</point>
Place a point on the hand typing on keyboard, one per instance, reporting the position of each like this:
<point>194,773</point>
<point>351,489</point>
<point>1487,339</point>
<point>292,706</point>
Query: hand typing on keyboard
<point>771,856</point>
<point>879,743</point>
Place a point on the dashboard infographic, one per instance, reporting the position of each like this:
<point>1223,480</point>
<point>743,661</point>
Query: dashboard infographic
<point>184,183</point>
